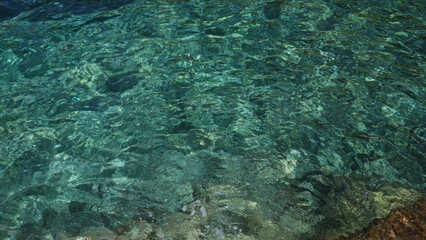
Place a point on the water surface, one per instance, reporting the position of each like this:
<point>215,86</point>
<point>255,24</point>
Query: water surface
<point>209,119</point>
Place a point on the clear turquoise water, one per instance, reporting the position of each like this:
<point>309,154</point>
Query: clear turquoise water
<point>209,119</point>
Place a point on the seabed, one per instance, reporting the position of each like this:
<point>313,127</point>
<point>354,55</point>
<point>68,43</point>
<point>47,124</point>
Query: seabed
<point>137,119</point>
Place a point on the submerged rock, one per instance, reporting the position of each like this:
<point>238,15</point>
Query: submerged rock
<point>140,230</point>
<point>97,234</point>
<point>272,10</point>
<point>403,223</point>
<point>87,75</point>
<point>121,83</point>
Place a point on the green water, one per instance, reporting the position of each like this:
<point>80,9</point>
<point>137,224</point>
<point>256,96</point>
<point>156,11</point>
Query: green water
<point>210,119</point>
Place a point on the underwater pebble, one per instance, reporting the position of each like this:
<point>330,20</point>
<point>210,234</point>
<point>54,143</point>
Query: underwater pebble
<point>203,212</point>
<point>48,237</point>
<point>219,233</point>
<point>61,236</point>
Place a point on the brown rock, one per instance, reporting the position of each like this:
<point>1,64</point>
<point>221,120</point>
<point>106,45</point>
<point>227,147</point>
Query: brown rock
<point>405,223</point>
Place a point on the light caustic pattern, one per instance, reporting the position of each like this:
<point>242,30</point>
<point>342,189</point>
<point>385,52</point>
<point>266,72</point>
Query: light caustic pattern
<point>209,119</point>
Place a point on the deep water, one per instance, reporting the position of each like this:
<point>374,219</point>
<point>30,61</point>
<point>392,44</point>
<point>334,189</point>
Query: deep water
<point>209,119</point>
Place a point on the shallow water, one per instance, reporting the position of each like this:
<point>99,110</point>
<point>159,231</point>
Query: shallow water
<point>209,119</point>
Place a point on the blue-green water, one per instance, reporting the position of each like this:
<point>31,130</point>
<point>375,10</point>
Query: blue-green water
<point>209,119</point>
